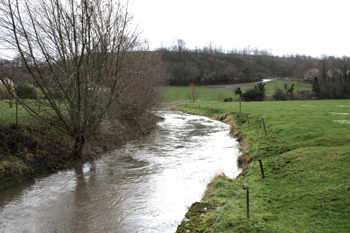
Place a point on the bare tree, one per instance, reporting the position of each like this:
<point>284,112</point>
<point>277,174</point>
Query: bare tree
<point>180,45</point>
<point>80,52</point>
<point>193,93</point>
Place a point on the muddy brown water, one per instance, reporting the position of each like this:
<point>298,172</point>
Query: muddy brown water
<point>145,186</point>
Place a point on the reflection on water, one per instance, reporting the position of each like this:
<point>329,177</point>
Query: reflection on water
<point>144,187</point>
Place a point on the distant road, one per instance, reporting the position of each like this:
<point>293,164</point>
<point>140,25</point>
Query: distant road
<point>234,86</point>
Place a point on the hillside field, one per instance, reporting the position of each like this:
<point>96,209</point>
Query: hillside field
<point>219,92</point>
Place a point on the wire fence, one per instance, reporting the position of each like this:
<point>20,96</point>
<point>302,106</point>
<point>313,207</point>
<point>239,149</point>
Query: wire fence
<point>11,112</point>
<point>244,183</point>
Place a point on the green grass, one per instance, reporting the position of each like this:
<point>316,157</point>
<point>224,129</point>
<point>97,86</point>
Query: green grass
<point>298,86</point>
<point>206,94</point>
<point>8,113</point>
<point>213,94</point>
<point>306,159</point>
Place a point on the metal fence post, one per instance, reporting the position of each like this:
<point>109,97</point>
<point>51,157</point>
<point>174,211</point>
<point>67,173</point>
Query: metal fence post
<point>246,187</point>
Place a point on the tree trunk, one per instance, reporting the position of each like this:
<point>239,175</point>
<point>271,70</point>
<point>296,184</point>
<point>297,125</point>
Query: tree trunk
<point>240,100</point>
<point>78,146</point>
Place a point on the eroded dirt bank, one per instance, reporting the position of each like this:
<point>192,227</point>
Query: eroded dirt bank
<point>27,151</point>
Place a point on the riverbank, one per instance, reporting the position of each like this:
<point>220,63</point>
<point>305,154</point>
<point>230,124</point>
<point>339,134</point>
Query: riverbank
<point>30,150</point>
<point>33,149</point>
<point>143,186</point>
<point>305,156</point>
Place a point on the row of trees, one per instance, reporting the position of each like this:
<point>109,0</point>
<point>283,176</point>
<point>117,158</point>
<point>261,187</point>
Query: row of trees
<point>86,54</point>
<point>333,81</point>
<point>211,65</point>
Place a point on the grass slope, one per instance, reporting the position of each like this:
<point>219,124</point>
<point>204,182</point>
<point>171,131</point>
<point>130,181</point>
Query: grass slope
<point>306,159</point>
<point>218,93</point>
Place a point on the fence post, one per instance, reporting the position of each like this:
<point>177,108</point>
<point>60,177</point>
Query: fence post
<point>246,187</point>
<point>264,126</point>
<point>262,169</point>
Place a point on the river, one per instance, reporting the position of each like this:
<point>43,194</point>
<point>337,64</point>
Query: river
<point>146,186</point>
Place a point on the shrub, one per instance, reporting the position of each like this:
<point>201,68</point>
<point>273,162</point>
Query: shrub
<point>253,95</point>
<point>261,87</point>
<point>193,93</point>
<point>280,94</point>
<point>25,91</point>
<point>315,86</point>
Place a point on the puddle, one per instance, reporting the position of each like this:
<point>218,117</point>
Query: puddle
<point>342,121</point>
<point>339,113</point>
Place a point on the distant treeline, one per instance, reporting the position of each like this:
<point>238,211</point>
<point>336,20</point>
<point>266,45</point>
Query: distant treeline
<point>212,66</point>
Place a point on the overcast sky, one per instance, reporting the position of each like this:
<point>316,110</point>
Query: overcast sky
<point>306,27</point>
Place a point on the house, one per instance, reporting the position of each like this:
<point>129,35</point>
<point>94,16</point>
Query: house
<point>311,73</point>
<point>334,73</point>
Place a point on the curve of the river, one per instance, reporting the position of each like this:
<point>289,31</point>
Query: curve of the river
<point>145,186</point>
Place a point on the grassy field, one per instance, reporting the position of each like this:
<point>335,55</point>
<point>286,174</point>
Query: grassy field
<point>306,159</point>
<point>172,93</point>
<point>8,113</point>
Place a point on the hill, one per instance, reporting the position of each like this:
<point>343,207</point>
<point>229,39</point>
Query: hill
<point>212,68</point>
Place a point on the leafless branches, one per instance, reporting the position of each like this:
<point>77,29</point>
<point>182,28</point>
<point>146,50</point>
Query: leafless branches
<point>81,54</point>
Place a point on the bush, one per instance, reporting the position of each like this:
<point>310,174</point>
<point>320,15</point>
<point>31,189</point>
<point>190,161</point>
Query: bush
<point>253,95</point>
<point>280,94</point>
<point>25,91</point>
<point>315,86</point>
<point>261,87</point>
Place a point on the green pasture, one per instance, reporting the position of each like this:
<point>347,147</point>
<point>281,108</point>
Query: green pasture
<point>306,158</point>
<point>172,93</point>
<point>298,86</point>
<point>8,112</point>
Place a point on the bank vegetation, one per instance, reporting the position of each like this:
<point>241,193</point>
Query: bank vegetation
<point>82,80</point>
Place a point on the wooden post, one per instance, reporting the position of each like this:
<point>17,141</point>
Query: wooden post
<point>262,169</point>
